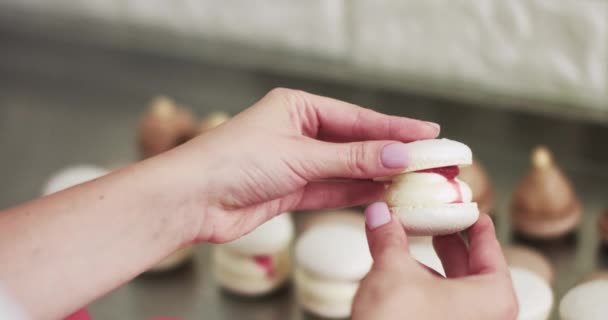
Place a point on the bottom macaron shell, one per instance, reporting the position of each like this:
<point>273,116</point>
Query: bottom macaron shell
<point>328,310</point>
<point>547,228</point>
<point>248,287</point>
<point>437,220</point>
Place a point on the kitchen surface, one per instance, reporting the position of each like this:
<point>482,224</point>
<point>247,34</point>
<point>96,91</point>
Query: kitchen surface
<point>65,102</point>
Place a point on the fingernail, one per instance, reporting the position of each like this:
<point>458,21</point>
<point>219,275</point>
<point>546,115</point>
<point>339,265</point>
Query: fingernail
<point>376,215</point>
<point>434,125</point>
<point>394,155</point>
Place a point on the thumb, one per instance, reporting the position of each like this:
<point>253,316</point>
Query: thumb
<point>385,236</point>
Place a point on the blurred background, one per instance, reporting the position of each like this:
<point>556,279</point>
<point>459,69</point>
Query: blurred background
<point>501,76</point>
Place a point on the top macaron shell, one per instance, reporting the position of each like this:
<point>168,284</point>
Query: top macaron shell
<point>588,301</point>
<point>436,153</point>
<point>71,176</point>
<point>270,237</point>
<point>334,251</point>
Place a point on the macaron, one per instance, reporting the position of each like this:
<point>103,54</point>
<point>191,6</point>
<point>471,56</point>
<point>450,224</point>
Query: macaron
<point>588,301</point>
<point>71,176</point>
<point>331,259</point>
<point>427,196</point>
<point>544,204</point>
<point>533,294</point>
<point>530,259</point>
<point>343,216</point>
<point>258,262</point>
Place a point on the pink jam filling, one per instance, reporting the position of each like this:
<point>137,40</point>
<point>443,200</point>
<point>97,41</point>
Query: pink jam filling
<point>265,262</point>
<point>449,173</point>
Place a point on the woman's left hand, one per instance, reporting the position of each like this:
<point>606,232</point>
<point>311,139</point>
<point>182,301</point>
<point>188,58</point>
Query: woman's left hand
<point>291,150</point>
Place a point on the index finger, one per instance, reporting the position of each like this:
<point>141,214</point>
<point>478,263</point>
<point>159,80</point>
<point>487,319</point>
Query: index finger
<point>485,253</point>
<point>342,121</point>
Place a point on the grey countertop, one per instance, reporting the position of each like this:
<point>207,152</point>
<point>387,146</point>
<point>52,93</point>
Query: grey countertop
<point>65,103</point>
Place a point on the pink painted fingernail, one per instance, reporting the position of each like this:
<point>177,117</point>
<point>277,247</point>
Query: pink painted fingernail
<point>394,155</point>
<point>434,125</point>
<point>376,215</point>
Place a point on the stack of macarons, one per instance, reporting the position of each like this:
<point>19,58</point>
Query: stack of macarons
<point>258,262</point>
<point>533,293</point>
<point>427,196</point>
<point>588,301</point>
<point>528,258</point>
<point>331,257</point>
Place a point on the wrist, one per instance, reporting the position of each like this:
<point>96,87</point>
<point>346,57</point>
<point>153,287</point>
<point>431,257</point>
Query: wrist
<point>181,180</point>
<point>170,197</point>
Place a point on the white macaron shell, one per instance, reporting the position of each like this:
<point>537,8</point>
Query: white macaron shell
<point>420,189</point>
<point>71,176</point>
<point>438,219</point>
<point>436,153</point>
<point>270,237</point>
<point>588,301</point>
<point>533,294</point>
<point>334,251</point>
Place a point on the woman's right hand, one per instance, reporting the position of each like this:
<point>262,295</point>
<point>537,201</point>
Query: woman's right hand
<point>478,283</point>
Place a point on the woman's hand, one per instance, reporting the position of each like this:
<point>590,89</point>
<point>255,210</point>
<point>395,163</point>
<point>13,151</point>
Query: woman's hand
<point>478,284</point>
<point>286,152</point>
<point>276,156</point>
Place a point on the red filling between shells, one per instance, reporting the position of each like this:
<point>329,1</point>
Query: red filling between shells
<point>449,173</point>
<point>265,262</point>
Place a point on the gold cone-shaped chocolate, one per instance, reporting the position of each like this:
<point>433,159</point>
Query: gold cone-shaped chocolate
<point>544,205</point>
<point>163,127</point>
<point>476,178</point>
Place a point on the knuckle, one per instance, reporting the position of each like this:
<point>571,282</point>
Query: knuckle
<point>278,92</point>
<point>356,159</point>
<point>289,97</point>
